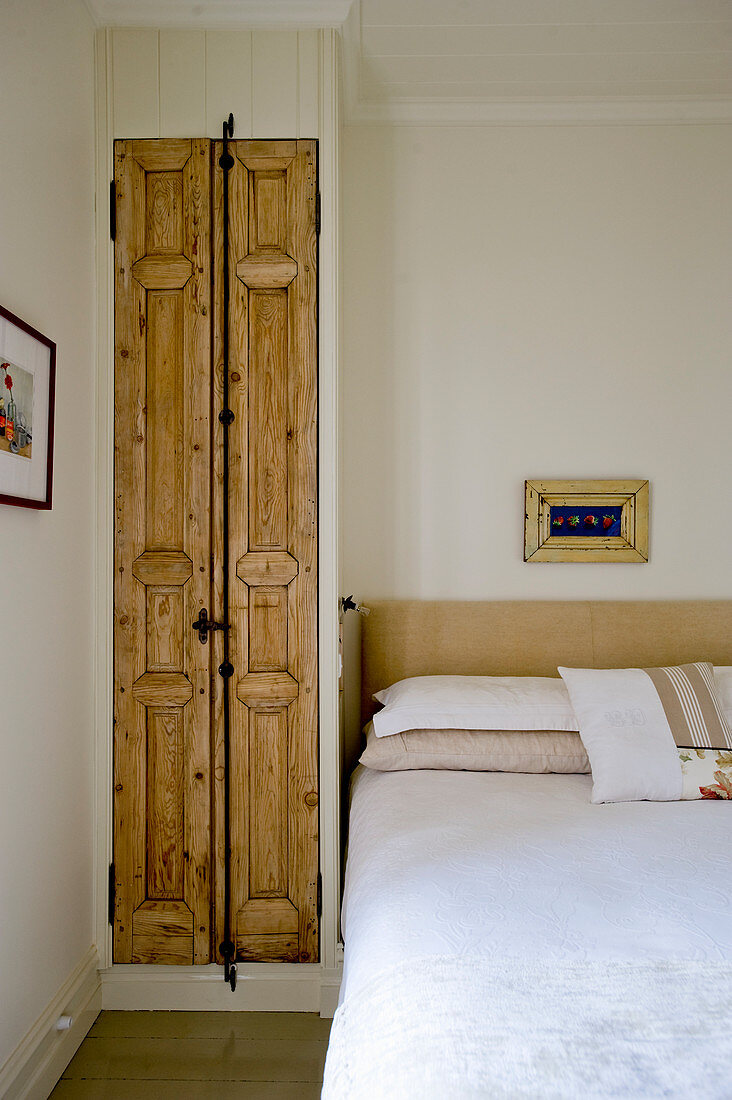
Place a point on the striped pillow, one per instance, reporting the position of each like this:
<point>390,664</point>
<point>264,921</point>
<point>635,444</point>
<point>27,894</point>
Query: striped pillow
<point>692,707</point>
<point>638,724</point>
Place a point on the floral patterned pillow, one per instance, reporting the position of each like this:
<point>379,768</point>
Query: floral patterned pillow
<point>706,773</point>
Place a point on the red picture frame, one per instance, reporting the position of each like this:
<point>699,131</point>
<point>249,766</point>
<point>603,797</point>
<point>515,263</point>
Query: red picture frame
<point>27,364</point>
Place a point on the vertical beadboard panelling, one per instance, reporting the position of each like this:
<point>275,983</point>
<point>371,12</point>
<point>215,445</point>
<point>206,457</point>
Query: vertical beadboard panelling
<point>274,84</point>
<point>135,69</point>
<point>229,81</point>
<point>307,83</point>
<point>182,83</point>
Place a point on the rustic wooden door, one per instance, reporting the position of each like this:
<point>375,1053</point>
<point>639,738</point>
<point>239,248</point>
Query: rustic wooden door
<point>162,721</point>
<point>273,549</point>
<point>171,856</point>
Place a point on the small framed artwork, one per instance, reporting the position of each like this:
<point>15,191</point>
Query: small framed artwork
<point>27,389</point>
<point>600,521</point>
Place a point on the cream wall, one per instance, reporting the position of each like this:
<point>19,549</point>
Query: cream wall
<point>525,302</point>
<point>46,566</point>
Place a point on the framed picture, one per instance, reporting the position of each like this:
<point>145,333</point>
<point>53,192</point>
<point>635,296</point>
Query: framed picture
<point>605,521</point>
<point>27,388</point>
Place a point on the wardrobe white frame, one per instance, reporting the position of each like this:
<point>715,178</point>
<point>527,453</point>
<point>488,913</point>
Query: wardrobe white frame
<point>262,986</point>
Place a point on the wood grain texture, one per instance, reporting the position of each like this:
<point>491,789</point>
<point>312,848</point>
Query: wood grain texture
<point>274,947</point>
<point>196,490</point>
<point>268,802</point>
<point>164,213</point>
<point>268,518</point>
<point>302,593</point>
<point>261,689</point>
<point>267,629</point>
<point>169,843</point>
<point>169,155</point>
<point>162,797</point>
<point>267,567</point>
<point>165,777</point>
<point>155,689</point>
<point>130,727</point>
<point>269,210</point>
<point>263,274</point>
<point>239,510</point>
<point>163,272</point>
<point>163,933</point>
<point>273,489</point>
<point>163,567</point>
<point>268,916</point>
<point>164,403</point>
<point>164,628</point>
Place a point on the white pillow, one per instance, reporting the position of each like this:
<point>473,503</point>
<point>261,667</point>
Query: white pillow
<point>632,720</point>
<point>476,751</point>
<point>474,703</point>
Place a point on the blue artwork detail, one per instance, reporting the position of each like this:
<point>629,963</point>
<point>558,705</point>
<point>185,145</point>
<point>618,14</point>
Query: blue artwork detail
<point>568,520</point>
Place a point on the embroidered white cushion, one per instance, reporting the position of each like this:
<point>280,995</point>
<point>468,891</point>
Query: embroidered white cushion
<point>474,703</point>
<point>632,721</point>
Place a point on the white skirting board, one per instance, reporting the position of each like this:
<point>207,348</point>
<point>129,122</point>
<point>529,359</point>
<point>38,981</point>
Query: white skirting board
<point>261,987</point>
<point>38,1061</point>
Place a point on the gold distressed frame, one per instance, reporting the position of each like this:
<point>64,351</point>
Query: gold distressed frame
<point>630,546</point>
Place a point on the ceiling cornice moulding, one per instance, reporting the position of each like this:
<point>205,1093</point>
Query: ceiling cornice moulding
<point>607,112</point>
<point>219,13</point>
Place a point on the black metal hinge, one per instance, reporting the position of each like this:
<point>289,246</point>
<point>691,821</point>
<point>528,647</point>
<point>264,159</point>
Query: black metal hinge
<point>317,212</point>
<point>112,211</point>
<point>319,896</point>
<point>112,888</point>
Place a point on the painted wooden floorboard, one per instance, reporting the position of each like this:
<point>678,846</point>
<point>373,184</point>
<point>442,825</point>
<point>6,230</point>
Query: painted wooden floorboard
<point>259,1055</point>
<point>185,1090</point>
<point>211,1025</point>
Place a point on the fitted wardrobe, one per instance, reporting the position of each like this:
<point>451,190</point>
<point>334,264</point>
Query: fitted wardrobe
<point>215,552</point>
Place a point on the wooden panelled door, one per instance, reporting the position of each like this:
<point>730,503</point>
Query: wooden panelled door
<point>170,857</point>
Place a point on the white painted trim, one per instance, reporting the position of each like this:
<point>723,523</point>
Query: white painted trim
<point>351,67</point>
<point>261,987</point>
<point>219,13</point>
<point>360,108</point>
<point>330,988</point>
<point>43,1054</point>
<point>104,517</point>
<point>607,112</point>
<point>328,320</point>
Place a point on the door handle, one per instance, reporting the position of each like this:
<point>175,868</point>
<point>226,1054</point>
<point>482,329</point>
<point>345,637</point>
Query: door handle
<point>203,624</point>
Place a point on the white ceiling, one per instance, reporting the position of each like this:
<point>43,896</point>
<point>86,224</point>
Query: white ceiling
<point>498,60</point>
<point>481,59</point>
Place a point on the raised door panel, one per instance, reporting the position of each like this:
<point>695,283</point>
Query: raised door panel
<point>162,766</point>
<point>273,550</point>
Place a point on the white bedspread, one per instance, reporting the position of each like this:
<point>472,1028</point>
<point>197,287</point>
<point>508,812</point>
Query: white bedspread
<point>439,1028</point>
<point>466,878</point>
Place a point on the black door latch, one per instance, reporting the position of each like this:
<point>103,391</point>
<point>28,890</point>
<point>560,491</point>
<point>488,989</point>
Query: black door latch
<point>203,624</point>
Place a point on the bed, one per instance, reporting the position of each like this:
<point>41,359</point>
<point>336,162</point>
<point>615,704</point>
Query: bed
<point>503,936</point>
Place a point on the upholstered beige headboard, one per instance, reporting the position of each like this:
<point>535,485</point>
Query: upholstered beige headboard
<point>528,638</point>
